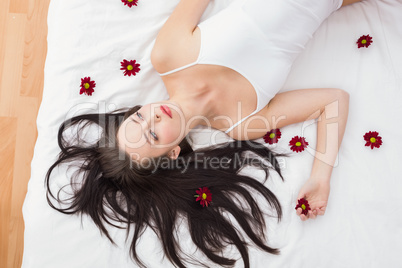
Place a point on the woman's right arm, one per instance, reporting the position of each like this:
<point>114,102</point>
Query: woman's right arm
<point>178,29</point>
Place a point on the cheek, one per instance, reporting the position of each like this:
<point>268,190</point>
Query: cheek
<point>171,132</point>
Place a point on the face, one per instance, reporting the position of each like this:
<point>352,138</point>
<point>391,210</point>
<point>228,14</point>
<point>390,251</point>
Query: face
<point>154,130</point>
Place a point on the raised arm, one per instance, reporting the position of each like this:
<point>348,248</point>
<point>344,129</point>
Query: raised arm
<point>178,28</point>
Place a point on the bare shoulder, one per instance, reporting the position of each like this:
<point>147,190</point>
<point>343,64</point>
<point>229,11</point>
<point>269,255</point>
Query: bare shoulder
<point>348,2</point>
<point>172,56</point>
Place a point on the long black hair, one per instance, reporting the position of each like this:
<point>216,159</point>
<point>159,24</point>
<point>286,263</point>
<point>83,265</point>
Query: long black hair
<point>117,192</point>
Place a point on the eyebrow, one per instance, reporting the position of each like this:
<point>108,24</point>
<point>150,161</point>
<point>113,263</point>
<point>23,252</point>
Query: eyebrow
<point>132,119</point>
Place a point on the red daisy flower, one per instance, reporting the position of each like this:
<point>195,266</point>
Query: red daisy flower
<point>130,3</point>
<point>204,196</point>
<point>130,67</point>
<point>87,86</point>
<point>303,204</point>
<point>372,139</point>
<point>297,144</point>
<point>364,41</point>
<point>272,136</point>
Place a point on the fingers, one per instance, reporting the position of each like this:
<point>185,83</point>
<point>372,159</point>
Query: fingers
<point>321,211</point>
<point>302,216</point>
<point>312,214</point>
<point>299,211</point>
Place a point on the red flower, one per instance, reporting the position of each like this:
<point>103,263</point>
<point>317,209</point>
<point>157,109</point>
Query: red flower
<point>364,41</point>
<point>87,86</point>
<point>372,139</point>
<point>130,3</point>
<point>272,136</point>
<point>297,144</point>
<point>204,196</point>
<point>130,67</point>
<point>303,204</point>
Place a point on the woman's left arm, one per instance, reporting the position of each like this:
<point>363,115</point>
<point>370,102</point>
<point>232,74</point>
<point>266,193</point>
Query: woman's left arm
<point>331,107</point>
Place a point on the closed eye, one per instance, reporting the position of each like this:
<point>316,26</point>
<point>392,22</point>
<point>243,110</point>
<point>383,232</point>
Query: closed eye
<point>139,115</point>
<point>153,135</point>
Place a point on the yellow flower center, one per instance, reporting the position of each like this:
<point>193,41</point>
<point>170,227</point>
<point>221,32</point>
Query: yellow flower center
<point>364,41</point>
<point>272,135</point>
<point>373,140</point>
<point>204,196</point>
<point>130,2</point>
<point>298,143</point>
<point>86,85</point>
<point>303,206</point>
<point>130,67</point>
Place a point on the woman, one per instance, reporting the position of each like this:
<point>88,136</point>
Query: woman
<point>223,73</point>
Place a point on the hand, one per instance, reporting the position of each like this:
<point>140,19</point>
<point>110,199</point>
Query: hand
<point>316,192</point>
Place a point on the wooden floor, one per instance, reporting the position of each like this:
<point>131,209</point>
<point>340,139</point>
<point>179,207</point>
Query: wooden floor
<point>23,47</point>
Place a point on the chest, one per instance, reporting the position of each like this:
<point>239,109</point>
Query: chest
<point>235,97</point>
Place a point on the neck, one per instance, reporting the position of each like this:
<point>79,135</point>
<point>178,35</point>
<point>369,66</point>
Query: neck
<point>196,104</point>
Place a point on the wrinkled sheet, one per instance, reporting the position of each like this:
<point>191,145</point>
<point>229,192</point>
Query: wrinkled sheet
<point>362,226</point>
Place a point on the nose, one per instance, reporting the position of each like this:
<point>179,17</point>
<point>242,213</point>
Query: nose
<point>157,117</point>
<point>149,121</point>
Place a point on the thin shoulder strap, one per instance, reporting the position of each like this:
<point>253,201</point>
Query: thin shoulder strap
<point>238,123</point>
<point>178,69</point>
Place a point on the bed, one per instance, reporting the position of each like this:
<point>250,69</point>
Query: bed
<point>362,226</point>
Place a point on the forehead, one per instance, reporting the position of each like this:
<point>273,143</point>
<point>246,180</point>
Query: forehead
<point>130,138</point>
<point>130,133</point>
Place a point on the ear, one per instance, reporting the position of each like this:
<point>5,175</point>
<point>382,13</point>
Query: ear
<point>174,153</point>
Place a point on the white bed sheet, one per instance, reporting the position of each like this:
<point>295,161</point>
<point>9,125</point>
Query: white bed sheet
<point>362,226</point>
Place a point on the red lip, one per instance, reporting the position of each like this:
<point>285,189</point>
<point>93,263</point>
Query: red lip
<point>166,110</point>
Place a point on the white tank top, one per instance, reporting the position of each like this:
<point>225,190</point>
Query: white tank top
<point>260,39</point>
